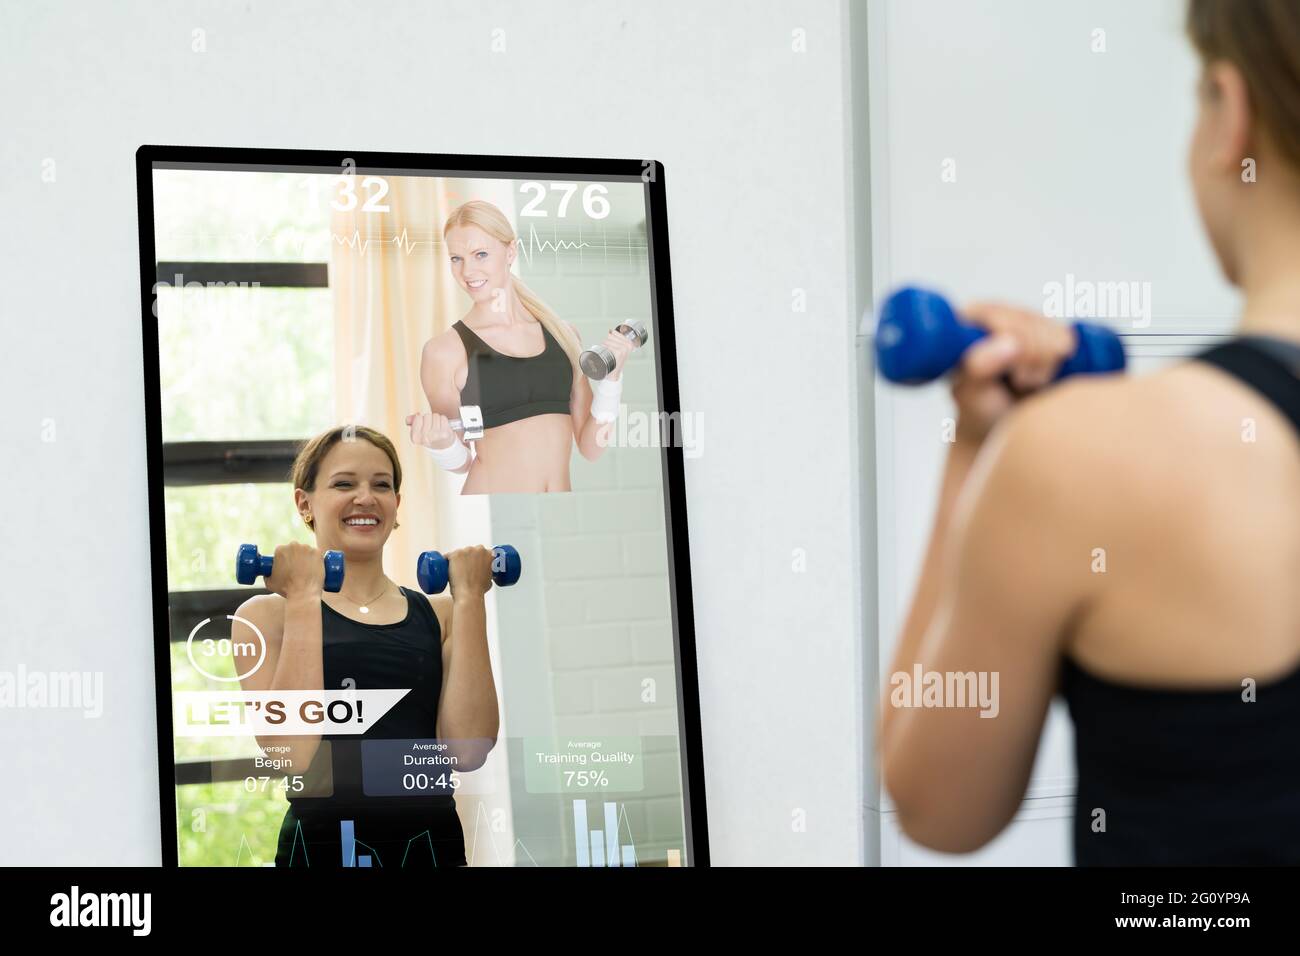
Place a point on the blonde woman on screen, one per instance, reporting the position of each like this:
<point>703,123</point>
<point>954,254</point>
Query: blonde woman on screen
<point>516,361</point>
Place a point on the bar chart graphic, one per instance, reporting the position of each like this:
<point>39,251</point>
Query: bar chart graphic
<point>348,838</point>
<point>352,857</point>
<point>599,846</point>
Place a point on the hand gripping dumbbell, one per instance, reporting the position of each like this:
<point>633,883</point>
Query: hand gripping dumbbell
<point>920,338</point>
<point>431,570</point>
<point>249,565</point>
<point>470,423</point>
<point>598,361</point>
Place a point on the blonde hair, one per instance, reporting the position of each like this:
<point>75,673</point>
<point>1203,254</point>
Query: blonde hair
<point>492,220</point>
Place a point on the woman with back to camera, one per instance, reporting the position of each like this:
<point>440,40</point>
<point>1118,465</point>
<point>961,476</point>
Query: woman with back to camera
<point>1179,656</point>
<point>517,361</point>
<point>381,636</point>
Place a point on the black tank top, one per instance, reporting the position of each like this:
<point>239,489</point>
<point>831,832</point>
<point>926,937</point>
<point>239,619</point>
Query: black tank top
<point>507,388</point>
<point>407,654</point>
<point>1188,777</point>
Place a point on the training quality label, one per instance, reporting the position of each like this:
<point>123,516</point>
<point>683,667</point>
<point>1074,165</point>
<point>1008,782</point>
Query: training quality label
<point>583,764</point>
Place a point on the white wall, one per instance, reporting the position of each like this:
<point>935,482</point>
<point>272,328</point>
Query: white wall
<point>1067,161</point>
<point>754,138</point>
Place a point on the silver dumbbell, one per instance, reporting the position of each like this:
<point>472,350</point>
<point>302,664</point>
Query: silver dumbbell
<point>598,361</point>
<point>470,423</point>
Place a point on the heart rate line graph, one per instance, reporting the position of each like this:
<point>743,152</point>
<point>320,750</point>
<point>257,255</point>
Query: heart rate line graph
<point>499,858</point>
<point>350,846</point>
<point>533,244</point>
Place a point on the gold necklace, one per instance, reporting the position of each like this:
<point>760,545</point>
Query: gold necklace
<point>365,608</point>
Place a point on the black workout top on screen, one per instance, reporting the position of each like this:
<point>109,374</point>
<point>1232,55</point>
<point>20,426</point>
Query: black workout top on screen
<point>1189,777</point>
<point>407,654</point>
<point>507,388</point>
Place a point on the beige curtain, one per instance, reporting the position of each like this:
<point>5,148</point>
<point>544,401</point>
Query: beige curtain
<point>392,292</point>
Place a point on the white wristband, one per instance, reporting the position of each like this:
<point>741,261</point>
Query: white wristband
<point>605,397</point>
<point>451,457</point>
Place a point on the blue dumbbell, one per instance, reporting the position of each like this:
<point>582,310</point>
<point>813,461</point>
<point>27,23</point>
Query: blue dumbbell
<point>920,338</point>
<point>249,565</point>
<point>432,569</point>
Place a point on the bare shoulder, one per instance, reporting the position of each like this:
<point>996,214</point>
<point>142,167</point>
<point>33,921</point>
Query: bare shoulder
<point>443,365</point>
<point>1091,450</point>
<point>444,348</point>
<point>265,612</point>
<point>1192,419</point>
<point>1134,448</point>
<point>1069,425</point>
<point>1221,405</point>
<point>1165,474</point>
<point>442,605</point>
<point>1082,416</point>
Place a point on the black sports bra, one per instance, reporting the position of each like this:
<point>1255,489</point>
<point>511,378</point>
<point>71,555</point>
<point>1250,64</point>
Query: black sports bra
<point>507,388</point>
<point>1179,776</point>
<point>406,654</point>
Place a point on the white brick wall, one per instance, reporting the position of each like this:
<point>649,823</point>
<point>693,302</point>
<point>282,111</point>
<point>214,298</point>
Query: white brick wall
<point>590,621</point>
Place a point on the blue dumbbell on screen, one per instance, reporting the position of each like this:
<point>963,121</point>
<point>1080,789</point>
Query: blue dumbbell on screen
<point>920,338</point>
<point>249,565</point>
<point>431,570</point>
